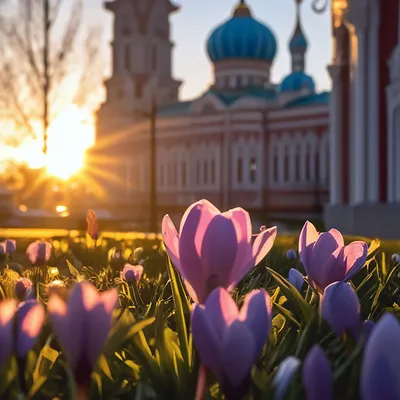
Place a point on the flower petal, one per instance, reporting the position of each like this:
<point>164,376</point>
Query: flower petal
<point>354,257</point>
<point>218,251</point>
<point>307,239</point>
<point>381,363</point>
<point>193,227</point>
<point>296,278</point>
<point>256,314</point>
<point>317,375</point>
<point>171,240</point>
<point>7,311</point>
<point>284,375</point>
<point>30,317</point>
<point>237,354</point>
<point>221,309</point>
<point>206,339</point>
<point>332,270</point>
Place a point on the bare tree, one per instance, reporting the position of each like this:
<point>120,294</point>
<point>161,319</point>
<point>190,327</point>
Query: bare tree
<point>45,51</point>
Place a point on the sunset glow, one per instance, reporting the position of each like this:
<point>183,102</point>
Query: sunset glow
<point>70,135</point>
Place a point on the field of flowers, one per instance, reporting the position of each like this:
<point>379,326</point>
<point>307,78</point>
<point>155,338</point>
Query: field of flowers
<point>211,311</point>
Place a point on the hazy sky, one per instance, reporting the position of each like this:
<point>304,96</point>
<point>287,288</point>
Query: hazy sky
<point>193,23</point>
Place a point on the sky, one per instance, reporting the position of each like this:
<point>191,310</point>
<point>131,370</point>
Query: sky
<point>197,18</point>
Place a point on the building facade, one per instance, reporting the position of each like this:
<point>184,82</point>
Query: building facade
<point>246,141</point>
<point>365,122</point>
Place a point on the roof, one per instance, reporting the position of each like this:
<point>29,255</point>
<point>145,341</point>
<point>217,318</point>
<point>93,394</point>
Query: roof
<point>310,100</point>
<point>227,96</point>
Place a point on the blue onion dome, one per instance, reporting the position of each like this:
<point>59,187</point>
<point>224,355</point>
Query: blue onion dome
<point>242,37</point>
<point>297,81</point>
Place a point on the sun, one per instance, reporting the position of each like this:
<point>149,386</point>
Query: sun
<point>69,136</point>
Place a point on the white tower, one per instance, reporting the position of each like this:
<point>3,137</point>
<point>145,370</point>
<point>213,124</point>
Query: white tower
<point>141,62</point>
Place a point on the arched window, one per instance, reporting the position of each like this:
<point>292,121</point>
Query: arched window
<point>183,173</point>
<point>213,171</point>
<point>239,177</point>
<point>127,57</point>
<point>239,81</point>
<point>308,163</point>
<point>253,169</point>
<point>286,162</point>
<point>205,172</point>
<point>276,166</point>
<point>297,164</point>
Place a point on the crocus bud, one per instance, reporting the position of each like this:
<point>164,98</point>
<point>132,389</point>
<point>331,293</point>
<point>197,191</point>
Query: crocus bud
<point>230,341</point>
<point>291,254</point>
<point>7,311</point>
<point>10,246</point>
<point>296,279</point>
<point>22,287</point>
<point>92,225</point>
<point>317,375</point>
<point>82,326</point>
<point>325,257</point>
<point>380,372</point>
<point>284,376</point>
<point>341,308</point>
<point>214,249</point>
<point>132,273</point>
<point>396,258</point>
<point>367,328</point>
<point>39,252</point>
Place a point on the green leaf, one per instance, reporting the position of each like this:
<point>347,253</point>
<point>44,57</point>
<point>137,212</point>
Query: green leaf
<point>299,305</point>
<point>73,271</point>
<point>177,291</point>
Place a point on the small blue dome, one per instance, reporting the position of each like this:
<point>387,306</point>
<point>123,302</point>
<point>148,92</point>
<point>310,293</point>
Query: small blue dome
<point>297,81</point>
<point>242,37</point>
<point>298,42</point>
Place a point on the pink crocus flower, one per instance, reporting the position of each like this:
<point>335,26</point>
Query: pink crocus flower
<point>132,272</point>
<point>325,257</point>
<point>39,252</point>
<point>82,326</point>
<point>214,249</point>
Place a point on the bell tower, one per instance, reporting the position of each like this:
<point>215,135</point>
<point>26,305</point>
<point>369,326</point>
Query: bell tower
<point>141,61</point>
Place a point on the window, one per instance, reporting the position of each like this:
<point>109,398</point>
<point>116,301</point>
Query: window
<point>239,81</point>
<point>175,173</point>
<point>239,170</point>
<point>205,166</point>
<point>154,58</point>
<point>169,173</point>
<point>276,167</point>
<point>213,171</point>
<point>253,170</point>
<point>297,164</point>
<point>127,57</point>
<point>183,174</point>
<point>197,172</point>
<point>286,166</point>
<point>161,172</point>
<point>308,165</point>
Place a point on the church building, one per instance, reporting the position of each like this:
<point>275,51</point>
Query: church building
<point>246,141</point>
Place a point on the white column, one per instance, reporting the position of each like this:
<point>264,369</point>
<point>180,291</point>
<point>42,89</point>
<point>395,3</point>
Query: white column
<point>373,112</point>
<point>292,162</point>
<point>313,149</point>
<point>303,161</point>
<point>360,134</point>
<point>281,162</point>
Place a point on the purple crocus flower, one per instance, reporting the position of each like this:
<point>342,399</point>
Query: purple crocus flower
<point>291,254</point>
<point>10,246</point>
<point>340,306</point>
<point>325,257</point>
<point>132,272</point>
<point>367,328</point>
<point>39,252</point>
<point>22,287</point>
<point>82,326</point>
<point>296,279</point>
<point>396,258</point>
<point>317,375</point>
<point>214,249</point>
<point>381,363</point>
<point>284,376</point>
<point>30,317</point>
<point>230,341</point>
